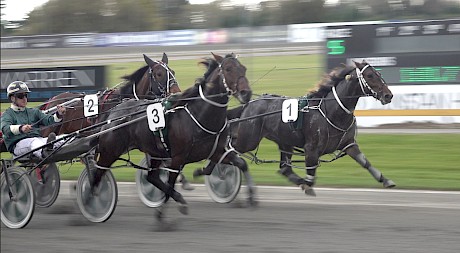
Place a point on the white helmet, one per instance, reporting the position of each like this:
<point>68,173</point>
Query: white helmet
<point>17,87</point>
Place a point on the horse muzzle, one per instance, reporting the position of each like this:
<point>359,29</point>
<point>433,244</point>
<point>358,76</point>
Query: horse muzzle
<point>386,98</point>
<point>244,96</point>
<point>244,92</point>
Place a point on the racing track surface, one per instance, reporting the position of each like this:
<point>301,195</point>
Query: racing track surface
<point>337,220</point>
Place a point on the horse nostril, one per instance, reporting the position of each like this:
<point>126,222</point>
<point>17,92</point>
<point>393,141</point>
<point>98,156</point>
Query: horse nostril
<point>388,96</point>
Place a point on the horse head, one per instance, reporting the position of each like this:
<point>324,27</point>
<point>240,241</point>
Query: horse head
<point>161,78</point>
<point>233,75</point>
<point>372,83</point>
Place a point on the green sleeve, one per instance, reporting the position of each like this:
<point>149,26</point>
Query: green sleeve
<point>6,121</point>
<point>46,119</point>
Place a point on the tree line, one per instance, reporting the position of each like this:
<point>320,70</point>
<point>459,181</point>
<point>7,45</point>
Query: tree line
<point>105,16</point>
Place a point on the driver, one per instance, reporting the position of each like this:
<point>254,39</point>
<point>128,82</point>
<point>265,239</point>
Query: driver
<point>21,125</point>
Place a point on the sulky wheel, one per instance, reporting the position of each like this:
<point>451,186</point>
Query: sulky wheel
<point>149,194</point>
<point>224,183</point>
<point>17,210</point>
<point>98,204</point>
<point>47,183</point>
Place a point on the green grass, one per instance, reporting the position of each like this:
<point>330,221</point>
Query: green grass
<point>413,161</point>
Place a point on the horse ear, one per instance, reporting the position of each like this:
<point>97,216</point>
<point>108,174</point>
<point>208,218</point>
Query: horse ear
<point>148,60</point>
<point>357,64</point>
<point>165,58</point>
<point>218,58</point>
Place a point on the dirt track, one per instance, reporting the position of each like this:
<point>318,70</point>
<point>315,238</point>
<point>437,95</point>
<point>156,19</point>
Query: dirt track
<point>346,220</point>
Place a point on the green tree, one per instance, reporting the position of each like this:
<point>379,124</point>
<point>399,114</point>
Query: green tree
<point>70,16</point>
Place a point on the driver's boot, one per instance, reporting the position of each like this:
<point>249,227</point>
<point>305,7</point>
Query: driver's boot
<point>46,151</point>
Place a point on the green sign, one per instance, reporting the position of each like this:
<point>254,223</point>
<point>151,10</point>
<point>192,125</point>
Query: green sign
<point>335,47</point>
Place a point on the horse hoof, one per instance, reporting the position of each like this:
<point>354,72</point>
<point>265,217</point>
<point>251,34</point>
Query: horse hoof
<point>73,187</point>
<point>159,215</point>
<point>308,190</point>
<point>389,183</point>
<point>183,209</point>
<point>188,187</point>
<point>253,202</point>
<point>197,173</point>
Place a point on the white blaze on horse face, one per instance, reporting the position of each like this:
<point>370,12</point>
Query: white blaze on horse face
<point>290,110</point>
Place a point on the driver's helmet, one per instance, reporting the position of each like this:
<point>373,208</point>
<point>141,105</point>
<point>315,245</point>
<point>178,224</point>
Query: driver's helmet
<point>17,87</point>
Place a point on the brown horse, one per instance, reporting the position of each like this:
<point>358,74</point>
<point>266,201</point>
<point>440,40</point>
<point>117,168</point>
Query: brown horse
<point>155,80</point>
<point>196,129</point>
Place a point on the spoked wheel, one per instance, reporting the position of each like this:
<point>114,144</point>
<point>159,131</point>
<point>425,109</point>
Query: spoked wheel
<point>47,183</point>
<point>224,183</point>
<point>150,195</point>
<point>98,204</point>
<point>17,211</point>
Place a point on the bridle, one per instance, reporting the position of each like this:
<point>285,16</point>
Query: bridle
<point>164,90</point>
<point>229,92</point>
<point>363,85</point>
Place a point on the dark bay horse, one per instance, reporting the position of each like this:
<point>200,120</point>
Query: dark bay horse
<point>196,128</point>
<point>155,80</point>
<point>327,122</point>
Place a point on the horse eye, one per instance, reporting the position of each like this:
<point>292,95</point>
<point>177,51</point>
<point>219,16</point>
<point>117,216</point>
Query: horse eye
<point>370,75</point>
<point>228,69</point>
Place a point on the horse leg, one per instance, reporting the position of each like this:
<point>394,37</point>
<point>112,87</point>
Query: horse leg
<point>234,159</point>
<point>172,183</point>
<point>285,165</point>
<point>286,170</point>
<point>359,157</point>
<point>311,163</point>
<point>206,171</point>
<point>154,178</point>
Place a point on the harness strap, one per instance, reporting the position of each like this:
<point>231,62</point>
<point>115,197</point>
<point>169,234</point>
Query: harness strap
<point>134,91</point>
<point>227,151</point>
<point>216,141</point>
<point>201,126</point>
<point>200,90</point>
<point>338,101</point>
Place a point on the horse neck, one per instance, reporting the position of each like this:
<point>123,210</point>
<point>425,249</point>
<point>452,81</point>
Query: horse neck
<point>210,116</point>
<point>141,87</point>
<point>348,93</point>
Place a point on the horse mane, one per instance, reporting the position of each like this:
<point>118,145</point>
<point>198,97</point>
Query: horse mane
<point>211,65</point>
<point>330,80</point>
<point>135,77</point>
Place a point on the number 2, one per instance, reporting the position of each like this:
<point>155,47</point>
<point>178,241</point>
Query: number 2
<point>90,105</point>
